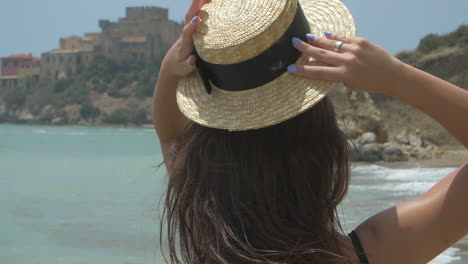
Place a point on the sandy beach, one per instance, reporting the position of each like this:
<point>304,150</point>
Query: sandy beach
<point>453,158</point>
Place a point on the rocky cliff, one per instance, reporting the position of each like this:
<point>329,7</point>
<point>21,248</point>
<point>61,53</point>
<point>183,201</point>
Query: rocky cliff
<point>383,128</point>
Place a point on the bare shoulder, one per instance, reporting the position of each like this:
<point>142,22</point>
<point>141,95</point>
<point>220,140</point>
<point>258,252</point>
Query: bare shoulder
<point>419,230</point>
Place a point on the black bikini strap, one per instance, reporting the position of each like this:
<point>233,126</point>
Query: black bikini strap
<point>358,247</point>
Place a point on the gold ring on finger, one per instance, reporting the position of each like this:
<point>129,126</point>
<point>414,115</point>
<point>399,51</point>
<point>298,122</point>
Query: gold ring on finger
<point>338,46</point>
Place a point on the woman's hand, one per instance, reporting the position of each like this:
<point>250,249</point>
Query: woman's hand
<point>359,63</point>
<point>179,61</point>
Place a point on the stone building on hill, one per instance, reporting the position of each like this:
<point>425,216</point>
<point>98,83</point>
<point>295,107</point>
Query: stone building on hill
<point>74,53</point>
<point>19,69</point>
<point>144,33</point>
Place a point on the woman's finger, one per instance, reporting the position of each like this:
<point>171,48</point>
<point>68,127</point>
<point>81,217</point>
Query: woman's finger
<point>333,36</point>
<point>334,74</point>
<point>193,10</point>
<point>320,54</point>
<point>329,44</point>
<point>188,65</point>
<point>186,46</point>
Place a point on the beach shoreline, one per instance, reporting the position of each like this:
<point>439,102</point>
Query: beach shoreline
<point>453,158</point>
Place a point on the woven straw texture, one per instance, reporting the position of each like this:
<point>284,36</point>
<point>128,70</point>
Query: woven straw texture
<point>236,30</point>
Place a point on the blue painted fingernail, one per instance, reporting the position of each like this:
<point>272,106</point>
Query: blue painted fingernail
<point>292,68</point>
<point>327,33</point>
<point>310,37</point>
<point>297,42</point>
<point>194,19</point>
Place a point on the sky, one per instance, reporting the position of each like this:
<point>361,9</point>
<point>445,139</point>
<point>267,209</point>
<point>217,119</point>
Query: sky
<point>31,26</point>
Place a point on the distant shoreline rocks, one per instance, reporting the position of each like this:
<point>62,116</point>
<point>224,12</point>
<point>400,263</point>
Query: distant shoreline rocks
<point>407,146</point>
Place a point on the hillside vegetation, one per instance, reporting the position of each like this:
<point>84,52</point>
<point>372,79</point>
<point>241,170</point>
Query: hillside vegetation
<point>106,92</point>
<point>445,56</point>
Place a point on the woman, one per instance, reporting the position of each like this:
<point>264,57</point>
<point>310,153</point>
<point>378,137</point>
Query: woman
<point>267,191</point>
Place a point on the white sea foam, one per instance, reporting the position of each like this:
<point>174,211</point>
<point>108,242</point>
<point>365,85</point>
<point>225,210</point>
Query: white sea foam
<point>407,174</point>
<point>418,174</point>
<point>78,133</point>
<point>402,181</point>
<point>401,175</point>
<point>416,187</point>
<point>39,131</point>
<point>449,256</point>
<point>364,169</point>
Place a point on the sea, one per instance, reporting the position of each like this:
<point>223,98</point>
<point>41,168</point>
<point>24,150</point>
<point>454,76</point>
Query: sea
<point>80,195</point>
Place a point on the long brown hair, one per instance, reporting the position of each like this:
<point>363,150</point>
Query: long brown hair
<point>258,196</point>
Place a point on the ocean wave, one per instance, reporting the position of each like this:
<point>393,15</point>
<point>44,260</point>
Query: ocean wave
<point>448,256</point>
<point>418,174</point>
<point>414,187</point>
<point>408,181</point>
<point>77,133</point>
<point>58,132</point>
<point>407,174</point>
<point>39,131</point>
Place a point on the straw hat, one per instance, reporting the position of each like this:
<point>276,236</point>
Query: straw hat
<point>243,48</point>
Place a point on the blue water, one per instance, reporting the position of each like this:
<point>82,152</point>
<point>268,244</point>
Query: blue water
<point>79,195</point>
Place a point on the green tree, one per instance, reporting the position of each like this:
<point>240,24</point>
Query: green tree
<point>16,97</point>
<point>140,117</point>
<point>145,85</point>
<point>117,117</point>
<point>87,111</point>
<point>429,43</point>
<point>119,83</point>
<point>60,86</point>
